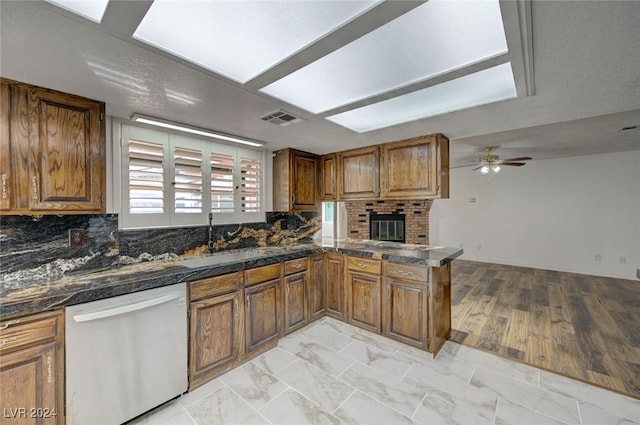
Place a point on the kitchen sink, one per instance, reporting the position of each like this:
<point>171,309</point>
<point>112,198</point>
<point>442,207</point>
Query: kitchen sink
<point>216,259</point>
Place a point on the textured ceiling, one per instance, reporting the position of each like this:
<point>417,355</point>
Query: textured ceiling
<point>586,67</point>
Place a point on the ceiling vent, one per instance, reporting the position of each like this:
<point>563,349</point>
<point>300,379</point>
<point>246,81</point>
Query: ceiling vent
<point>281,118</point>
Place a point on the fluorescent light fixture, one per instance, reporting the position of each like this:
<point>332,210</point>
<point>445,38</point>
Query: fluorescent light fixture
<point>242,39</point>
<point>90,9</point>
<point>434,38</point>
<point>159,122</point>
<point>487,86</point>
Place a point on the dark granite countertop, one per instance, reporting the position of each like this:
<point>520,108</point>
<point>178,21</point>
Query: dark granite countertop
<point>41,294</point>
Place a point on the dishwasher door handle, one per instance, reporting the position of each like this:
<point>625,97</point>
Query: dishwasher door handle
<point>101,314</point>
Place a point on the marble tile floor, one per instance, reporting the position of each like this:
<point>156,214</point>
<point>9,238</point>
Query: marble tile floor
<point>334,373</point>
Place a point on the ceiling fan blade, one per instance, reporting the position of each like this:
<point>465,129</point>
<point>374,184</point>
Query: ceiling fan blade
<point>463,166</point>
<point>477,168</point>
<point>513,164</point>
<point>522,158</point>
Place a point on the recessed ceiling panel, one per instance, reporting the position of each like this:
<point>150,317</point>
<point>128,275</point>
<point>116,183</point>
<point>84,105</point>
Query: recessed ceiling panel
<point>490,85</point>
<point>439,36</point>
<point>93,10</point>
<point>242,39</point>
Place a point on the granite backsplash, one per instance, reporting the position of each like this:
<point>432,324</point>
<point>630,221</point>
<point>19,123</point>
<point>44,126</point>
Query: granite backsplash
<point>31,246</point>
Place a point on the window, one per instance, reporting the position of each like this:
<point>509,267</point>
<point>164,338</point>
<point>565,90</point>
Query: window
<point>167,175</point>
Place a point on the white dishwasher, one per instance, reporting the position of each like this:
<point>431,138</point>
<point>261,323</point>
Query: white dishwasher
<point>125,355</point>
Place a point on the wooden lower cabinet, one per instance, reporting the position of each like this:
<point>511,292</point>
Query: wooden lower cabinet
<point>316,293</point>
<point>364,301</point>
<point>405,312</point>
<point>216,337</point>
<point>295,302</point>
<point>261,316</point>
<point>32,369</point>
<point>439,307</point>
<point>336,297</point>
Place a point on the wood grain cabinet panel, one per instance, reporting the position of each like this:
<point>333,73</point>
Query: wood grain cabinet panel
<point>439,307</point>
<point>216,337</point>
<point>32,369</point>
<point>335,287</point>
<point>262,307</point>
<point>405,309</point>
<point>6,174</point>
<point>57,159</point>
<point>358,176</point>
<point>295,181</point>
<point>295,302</point>
<point>415,169</point>
<point>364,301</point>
<point>328,177</point>
<point>316,293</point>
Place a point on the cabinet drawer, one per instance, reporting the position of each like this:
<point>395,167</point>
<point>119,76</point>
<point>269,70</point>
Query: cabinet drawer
<point>407,272</point>
<point>25,331</point>
<point>363,265</point>
<point>294,266</point>
<point>261,274</point>
<point>217,285</point>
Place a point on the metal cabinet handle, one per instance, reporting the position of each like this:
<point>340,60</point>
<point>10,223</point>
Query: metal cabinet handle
<point>5,189</point>
<point>49,369</point>
<point>405,273</point>
<point>297,266</point>
<point>9,323</point>
<point>362,266</point>
<point>8,340</point>
<point>293,198</point>
<point>34,187</point>
<point>389,292</point>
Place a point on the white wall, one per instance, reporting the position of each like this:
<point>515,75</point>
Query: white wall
<point>555,214</point>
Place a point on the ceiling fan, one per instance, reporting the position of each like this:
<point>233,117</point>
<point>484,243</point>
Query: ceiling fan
<point>490,162</point>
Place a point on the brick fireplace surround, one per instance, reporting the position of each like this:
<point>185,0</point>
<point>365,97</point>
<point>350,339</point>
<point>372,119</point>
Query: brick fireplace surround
<point>416,218</point>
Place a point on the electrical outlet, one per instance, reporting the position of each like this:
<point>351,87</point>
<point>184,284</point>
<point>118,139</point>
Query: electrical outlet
<point>76,237</point>
<point>638,273</point>
<point>598,257</point>
<point>623,260</point>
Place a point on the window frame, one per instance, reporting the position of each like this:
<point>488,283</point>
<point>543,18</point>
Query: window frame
<point>125,130</point>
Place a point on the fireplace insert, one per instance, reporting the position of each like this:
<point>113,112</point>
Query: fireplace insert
<point>386,227</point>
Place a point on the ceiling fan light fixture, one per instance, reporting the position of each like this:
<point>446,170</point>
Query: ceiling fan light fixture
<point>496,168</point>
<point>484,170</point>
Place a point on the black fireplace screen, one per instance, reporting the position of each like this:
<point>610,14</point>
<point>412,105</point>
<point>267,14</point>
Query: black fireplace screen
<point>386,227</point>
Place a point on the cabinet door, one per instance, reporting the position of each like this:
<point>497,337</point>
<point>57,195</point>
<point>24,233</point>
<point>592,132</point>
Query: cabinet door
<point>439,307</point>
<point>67,147</point>
<point>6,175</point>
<point>261,313</point>
<point>359,173</point>
<point>295,301</point>
<point>328,168</point>
<point>317,287</point>
<point>216,337</point>
<point>336,294</point>
<point>29,386</point>
<point>405,312</point>
<point>409,168</point>
<point>304,182</point>
<point>364,301</point>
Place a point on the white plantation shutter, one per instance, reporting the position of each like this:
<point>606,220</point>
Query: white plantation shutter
<point>187,175</point>
<point>146,177</point>
<point>222,182</point>
<point>251,184</point>
<point>174,180</point>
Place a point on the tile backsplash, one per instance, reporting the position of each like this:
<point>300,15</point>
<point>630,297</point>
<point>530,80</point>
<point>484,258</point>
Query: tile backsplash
<point>40,246</point>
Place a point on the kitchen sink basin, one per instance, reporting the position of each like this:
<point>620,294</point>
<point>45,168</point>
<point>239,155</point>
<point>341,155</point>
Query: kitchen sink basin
<point>216,259</point>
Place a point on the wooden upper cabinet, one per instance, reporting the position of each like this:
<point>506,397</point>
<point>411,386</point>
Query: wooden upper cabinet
<point>56,146</point>
<point>358,176</point>
<point>295,181</point>
<point>328,177</point>
<point>415,168</point>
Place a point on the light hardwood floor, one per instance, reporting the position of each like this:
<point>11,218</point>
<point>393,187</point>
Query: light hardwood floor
<point>584,327</point>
